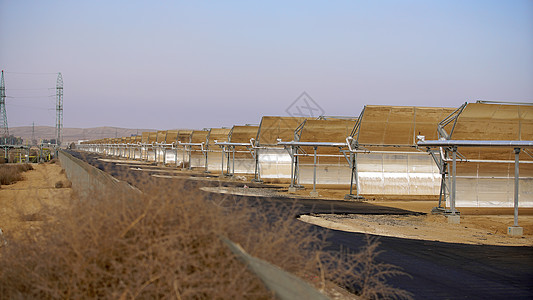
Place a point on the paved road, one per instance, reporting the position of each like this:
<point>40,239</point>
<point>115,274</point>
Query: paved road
<point>438,270</point>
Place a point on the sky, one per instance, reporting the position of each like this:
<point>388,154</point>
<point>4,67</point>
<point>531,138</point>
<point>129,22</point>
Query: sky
<point>201,64</point>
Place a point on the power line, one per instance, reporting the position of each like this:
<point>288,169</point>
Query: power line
<point>31,106</point>
<point>28,73</point>
<point>36,89</point>
<point>29,97</point>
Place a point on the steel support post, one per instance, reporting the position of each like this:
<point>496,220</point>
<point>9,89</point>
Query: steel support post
<point>227,160</point>
<point>183,158</point>
<point>453,217</point>
<point>454,179</point>
<point>354,178</point>
<point>292,187</point>
<point>516,230</point>
<point>177,160</point>
<point>442,195</point>
<point>189,152</point>
<point>233,162</point>
<point>256,170</point>
<point>516,184</point>
<point>357,187</point>
<point>292,168</point>
<point>206,153</point>
<point>314,193</point>
<point>352,165</point>
<point>222,167</point>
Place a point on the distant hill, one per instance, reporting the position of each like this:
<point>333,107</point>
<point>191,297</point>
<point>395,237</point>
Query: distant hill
<point>73,134</point>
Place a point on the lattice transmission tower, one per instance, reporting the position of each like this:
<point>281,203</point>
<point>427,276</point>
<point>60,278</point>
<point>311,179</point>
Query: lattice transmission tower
<point>59,108</point>
<point>3,116</point>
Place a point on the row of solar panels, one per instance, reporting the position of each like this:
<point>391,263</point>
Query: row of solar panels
<point>390,163</point>
<point>376,126</point>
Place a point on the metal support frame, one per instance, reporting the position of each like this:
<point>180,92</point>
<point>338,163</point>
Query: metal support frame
<point>187,149</point>
<point>454,144</point>
<point>293,151</point>
<point>229,149</point>
<point>353,148</point>
<point>292,148</point>
<point>453,117</point>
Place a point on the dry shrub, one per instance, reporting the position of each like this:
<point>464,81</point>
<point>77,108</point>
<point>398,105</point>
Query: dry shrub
<point>9,175</point>
<point>362,273</point>
<point>12,173</point>
<point>24,167</point>
<point>166,244</point>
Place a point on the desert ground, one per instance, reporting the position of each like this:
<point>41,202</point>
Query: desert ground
<point>24,204</point>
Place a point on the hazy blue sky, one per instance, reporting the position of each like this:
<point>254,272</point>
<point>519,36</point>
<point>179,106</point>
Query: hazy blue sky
<point>174,64</point>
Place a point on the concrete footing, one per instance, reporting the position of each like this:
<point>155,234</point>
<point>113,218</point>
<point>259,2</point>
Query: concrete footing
<point>313,194</point>
<point>292,189</point>
<point>353,197</point>
<point>454,219</point>
<point>515,230</point>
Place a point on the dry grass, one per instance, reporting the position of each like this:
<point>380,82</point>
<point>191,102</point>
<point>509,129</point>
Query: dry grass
<point>166,244</point>
<point>12,173</point>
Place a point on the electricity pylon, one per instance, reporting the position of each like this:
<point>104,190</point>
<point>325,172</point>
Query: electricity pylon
<point>3,116</point>
<point>59,108</point>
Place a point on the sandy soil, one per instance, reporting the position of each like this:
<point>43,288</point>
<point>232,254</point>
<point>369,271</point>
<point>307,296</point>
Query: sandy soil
<point>472,230</point>
<point>485,226</point>
<point>23,205</point>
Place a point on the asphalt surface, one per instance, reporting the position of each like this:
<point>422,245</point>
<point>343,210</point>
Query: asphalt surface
<point>437,270</point>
